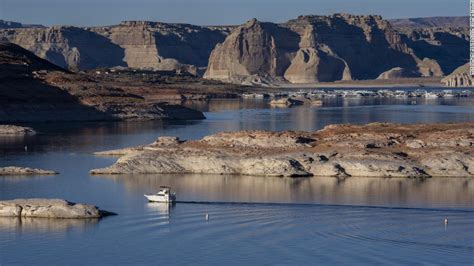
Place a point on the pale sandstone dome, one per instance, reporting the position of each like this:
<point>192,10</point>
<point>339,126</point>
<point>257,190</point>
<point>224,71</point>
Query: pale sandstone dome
<point>12,130</point>
<point>330,48</point>
<point>461,77</point>
<point>373,150</point>
<point>396,73</point>
<point>24,171</point>
<point>48,208</point>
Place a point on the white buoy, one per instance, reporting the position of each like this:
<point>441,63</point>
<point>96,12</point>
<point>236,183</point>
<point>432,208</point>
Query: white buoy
<point>26,148</point>
<point>207,216</point>
<point>446,221</point>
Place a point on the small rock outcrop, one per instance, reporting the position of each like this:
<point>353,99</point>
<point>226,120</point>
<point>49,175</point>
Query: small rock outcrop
<point>49,208</point>
<point>24,171</point>
<point>373,150</point>
<point>11,130</point>
<point>285,102</point>
<point>461,77</point>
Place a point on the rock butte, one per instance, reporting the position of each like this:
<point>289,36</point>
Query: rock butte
<point>373,150</point>
<point>11,130</point>
<point>313,49</point>
<point>304,50</point>
<point>24,171</point>
<point>49,208</point>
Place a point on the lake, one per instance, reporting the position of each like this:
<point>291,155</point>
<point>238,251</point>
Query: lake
<point>253,220</point>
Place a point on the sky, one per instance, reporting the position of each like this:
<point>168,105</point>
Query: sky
<point>213,12</point>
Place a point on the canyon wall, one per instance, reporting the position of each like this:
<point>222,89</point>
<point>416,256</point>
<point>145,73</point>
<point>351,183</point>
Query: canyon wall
<point>308,49</point>
<point>330,48</point>
<point>135,44</point>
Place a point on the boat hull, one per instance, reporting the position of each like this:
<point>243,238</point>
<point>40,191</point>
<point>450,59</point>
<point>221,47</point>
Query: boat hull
<point>158,198</point>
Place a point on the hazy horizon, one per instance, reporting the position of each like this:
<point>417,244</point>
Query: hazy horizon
<point>213,12</point>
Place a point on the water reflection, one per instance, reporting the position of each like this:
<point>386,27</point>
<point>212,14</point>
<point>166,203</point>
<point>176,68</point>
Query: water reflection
<point>17,224</point>
<point>433,192</point>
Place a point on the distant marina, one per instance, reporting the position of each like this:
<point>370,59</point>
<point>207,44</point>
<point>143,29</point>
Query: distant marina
<point>376,93</point>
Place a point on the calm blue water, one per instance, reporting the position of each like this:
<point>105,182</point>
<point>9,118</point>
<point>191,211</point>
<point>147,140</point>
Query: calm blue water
<point>253,220</point>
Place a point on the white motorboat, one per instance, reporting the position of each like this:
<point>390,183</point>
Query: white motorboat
<point>164,195</point>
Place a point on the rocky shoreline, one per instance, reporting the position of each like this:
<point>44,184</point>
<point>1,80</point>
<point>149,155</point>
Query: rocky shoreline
<point>24,171</point>
<point>49,208</point>
<point>373,150</point>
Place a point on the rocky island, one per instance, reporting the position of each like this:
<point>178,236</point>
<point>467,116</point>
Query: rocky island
<point>49,208</point>
<point>24,171</point>
<point>373,150</point>
<point>11,130</point>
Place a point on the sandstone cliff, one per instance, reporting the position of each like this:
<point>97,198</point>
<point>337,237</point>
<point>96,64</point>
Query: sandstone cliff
<point>330,48</point>
<point>136,44</point>
<point>308,49</point>
<point>442,49</point>
<point>461,77</point>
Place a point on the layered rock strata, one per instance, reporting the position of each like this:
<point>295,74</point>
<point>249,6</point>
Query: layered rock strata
<point>134,44</point>
<point>373,150</point>
<point>313,49</point>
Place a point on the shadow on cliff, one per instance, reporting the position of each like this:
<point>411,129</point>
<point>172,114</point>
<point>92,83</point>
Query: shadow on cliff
<point>87,50</point>
<point>450,52</point>
<point>286,43</point>
<point>30,100</point>
<point>188,44</point>
<point>366,59</point>
<point>266,48</point>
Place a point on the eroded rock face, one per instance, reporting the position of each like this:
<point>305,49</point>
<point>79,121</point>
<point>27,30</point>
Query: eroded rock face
<point>255,48</point>
<point>67,46</point>
<point>48,208</point>
<point>375,150</point>
<point>11,130</point>
<point>461,77</point>
<point>441,50</point>
<point>135,44</point>
<point>24,171</point>
<point>330,48</point>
